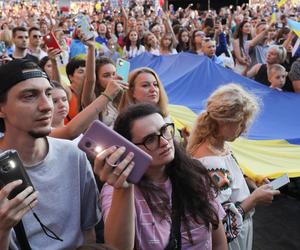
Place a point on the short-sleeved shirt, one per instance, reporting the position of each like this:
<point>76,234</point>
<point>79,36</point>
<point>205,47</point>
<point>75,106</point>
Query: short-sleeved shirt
<point>67,200</point>
<point>153,233</point>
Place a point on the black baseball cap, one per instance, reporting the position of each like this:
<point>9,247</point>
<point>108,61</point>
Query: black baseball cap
<point>16,71</point>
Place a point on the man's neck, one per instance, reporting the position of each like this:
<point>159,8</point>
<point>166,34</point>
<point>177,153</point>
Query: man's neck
<point>35,50</point>
<point>19,53</point>
<point>31,150</point>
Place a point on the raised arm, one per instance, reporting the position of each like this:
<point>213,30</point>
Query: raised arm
<point>258,38</point>
<point>169,29</point>
<point>89,84</point>
<point>83,119</point>
<point>118,206</point>
<point>52,53</point>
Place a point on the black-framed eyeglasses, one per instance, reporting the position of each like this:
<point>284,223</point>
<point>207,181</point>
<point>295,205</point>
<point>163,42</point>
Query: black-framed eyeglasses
<point>152,142</point>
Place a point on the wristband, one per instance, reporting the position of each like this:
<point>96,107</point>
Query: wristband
<point>240,209</point>
<point>107,96</point>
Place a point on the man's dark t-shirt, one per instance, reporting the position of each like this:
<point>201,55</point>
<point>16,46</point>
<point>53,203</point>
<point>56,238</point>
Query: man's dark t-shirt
<point>28,57</point>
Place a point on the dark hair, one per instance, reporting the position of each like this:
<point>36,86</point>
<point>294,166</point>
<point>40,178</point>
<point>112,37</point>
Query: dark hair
<point>28,65</point>
<point>128,42</point>
<point>73,65</point>
<point>103,60</point>
<point>16,29</point>
<point>190,179</point>
<point>182,46</point>
<point>43,62</point>
<point>239,35</point>
<point>33,29</point>
<point>116,32</point>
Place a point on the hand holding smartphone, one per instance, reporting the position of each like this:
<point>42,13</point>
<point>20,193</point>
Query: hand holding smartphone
<point>51,42</point>
<point>12,169</point>
<point>280,182</point>
<point>123,68</point>
<point>84,25</point>
<point>99,137</point>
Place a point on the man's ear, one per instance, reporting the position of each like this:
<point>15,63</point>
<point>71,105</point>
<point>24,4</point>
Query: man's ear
<point>2,111</point>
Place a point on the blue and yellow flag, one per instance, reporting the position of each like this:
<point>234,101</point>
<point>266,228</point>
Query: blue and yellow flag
<point>270,148</point>
<point>273,17</point>
<point>295,26</point>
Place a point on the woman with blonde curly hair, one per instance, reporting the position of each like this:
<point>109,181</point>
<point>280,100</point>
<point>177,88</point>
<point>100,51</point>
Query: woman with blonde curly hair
<point>145,86</point>
<point>229,112</point>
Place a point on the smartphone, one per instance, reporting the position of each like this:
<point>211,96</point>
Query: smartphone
<point>50,41</point>
<point>123,68</point>
<point>12,169</point>
<point>280,181</point>
<point>99,137</point>
<point>83,24</point>
<point>2,48</point>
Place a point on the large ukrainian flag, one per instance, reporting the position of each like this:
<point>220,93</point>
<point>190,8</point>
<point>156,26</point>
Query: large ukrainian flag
<point>270,148</point>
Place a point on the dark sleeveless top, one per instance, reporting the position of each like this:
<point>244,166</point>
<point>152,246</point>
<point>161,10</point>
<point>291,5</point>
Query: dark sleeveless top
<point>262,75</point>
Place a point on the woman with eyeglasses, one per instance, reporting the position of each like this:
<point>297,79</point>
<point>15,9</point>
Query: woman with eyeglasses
<point>173,206</point>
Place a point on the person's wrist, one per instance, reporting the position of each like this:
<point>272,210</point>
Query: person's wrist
<point>108,96</point>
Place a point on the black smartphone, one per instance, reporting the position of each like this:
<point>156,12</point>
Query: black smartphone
<point>12,169</point>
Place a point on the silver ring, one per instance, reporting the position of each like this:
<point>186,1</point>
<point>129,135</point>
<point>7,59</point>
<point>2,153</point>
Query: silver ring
<point>109,164</point>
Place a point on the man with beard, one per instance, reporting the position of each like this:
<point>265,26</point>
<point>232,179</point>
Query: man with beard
<point>65,197</point>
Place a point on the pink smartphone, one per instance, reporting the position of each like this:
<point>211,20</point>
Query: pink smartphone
<point>99,137</point>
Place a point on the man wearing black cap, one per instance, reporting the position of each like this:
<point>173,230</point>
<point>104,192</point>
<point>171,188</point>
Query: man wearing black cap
<point>66,194</point>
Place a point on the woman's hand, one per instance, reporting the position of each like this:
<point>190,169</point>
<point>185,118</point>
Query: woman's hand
<point>114,87</point>
<point>264,195</point>
<point>52,53</point>
<point>108,171</point>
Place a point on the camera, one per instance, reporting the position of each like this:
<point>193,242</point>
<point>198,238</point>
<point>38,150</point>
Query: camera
<point>12,169</point>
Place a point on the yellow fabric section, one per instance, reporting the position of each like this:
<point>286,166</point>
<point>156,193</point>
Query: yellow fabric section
<point>281,2</point>
<point>182,116</point>
<point>257,158</point>
<point>267,158</point>
<point>297,33</point>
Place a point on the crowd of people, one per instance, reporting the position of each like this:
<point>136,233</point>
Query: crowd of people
<point>194,195</point>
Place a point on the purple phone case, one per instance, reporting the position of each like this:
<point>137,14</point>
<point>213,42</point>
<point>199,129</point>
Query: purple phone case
<point>98,134</point>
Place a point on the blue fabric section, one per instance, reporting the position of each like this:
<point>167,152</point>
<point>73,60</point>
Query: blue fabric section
<point>189,79</point>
